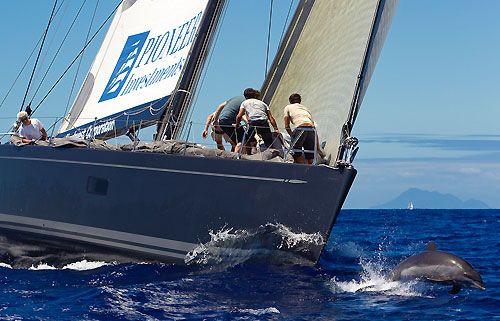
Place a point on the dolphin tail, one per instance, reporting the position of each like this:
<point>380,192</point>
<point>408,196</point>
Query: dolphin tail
<point>456,288</point>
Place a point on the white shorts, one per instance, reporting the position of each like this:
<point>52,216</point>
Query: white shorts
<point>217,137</point>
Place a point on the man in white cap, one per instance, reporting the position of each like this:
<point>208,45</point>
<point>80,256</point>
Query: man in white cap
<point>30,129</point>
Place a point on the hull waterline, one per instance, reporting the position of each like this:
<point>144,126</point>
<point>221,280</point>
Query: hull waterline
<point>148,206</point>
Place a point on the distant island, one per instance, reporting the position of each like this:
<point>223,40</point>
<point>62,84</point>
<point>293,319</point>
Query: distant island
<point>426,199</point>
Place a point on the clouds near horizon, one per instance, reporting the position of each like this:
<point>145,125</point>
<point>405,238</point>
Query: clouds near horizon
<point>467,167</point>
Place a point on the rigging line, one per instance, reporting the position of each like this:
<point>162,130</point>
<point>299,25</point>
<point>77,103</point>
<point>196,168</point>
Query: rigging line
<point>57,52</point>
<point>26,63</point>
<point>219,28</point>
<point>39,52</point>
<point>80,62</point>
<point>48,46</point>
<point>198,66</point>
<point>152,111</point>
<point>104,120</point>
<point>22,69</point>
<point>269,36</point>
<point>76,58</point>
<point>286,21</point>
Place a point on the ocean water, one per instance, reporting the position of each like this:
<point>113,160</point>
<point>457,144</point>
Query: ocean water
<point>253,283</point>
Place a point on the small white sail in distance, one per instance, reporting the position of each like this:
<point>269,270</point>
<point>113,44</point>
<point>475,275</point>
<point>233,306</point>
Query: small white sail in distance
<point>410,206</point>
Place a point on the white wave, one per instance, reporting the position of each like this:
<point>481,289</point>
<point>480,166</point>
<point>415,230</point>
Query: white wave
<point>291,239</point>
<point>204,252</point>
<point>259,311</point>
<point>237,246</point>
<point>5,265</point>
<point>42,266</point>
<point>85,265</point>
<point>373,280</point>
<point>78,266</point>
<point>211,254</point>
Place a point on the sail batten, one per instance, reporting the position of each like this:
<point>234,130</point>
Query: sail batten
<point>137,67</point>
<point>320,59</point>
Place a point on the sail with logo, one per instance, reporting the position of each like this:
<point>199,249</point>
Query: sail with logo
<point>136,69</point>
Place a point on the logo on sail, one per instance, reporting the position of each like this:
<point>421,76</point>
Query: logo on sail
<point>124,66</point>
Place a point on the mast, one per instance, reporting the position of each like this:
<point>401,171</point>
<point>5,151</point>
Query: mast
<point>173,118</point>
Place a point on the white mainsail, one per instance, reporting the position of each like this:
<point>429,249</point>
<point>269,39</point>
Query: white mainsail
<point>137,67</point>
<point>320,59</point>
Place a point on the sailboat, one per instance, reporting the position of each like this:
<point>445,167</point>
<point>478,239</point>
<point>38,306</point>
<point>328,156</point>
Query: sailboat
<point>156,206</point>
<point>410,206</point>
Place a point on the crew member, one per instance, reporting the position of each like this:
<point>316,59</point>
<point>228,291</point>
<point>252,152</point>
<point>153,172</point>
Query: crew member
<point>259,116</point>
<point>216,134</point>
<point>224,119</point>
<point>301,118</point>
<point>31,129</point>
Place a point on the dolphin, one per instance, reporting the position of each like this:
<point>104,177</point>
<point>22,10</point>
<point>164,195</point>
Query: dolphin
<point>440,267</point>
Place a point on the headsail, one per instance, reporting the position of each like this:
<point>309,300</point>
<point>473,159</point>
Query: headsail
<point>320,58</point>
<point>137,67</point>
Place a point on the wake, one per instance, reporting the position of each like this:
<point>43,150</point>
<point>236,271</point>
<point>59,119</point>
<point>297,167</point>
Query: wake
<point>82,265</point>
<point>270,242</point>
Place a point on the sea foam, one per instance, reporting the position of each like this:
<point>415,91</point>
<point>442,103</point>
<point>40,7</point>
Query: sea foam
<point>270,241</point>
<point>372,279</point>
<point>85,265</point>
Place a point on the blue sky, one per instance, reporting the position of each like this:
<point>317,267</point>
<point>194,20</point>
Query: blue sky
<point>429,118</point>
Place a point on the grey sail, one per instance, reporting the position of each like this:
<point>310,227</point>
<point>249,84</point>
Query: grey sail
<point>328,47</point>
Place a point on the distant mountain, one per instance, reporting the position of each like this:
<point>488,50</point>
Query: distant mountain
<point>426,199</point>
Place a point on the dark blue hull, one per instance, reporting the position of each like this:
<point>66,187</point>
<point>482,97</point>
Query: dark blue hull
<point>157,206</point>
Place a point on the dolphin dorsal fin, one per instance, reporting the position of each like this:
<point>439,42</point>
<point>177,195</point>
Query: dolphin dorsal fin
<point>431,246</point>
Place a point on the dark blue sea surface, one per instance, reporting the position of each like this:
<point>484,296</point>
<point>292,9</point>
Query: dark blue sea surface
<point>256,283</point>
